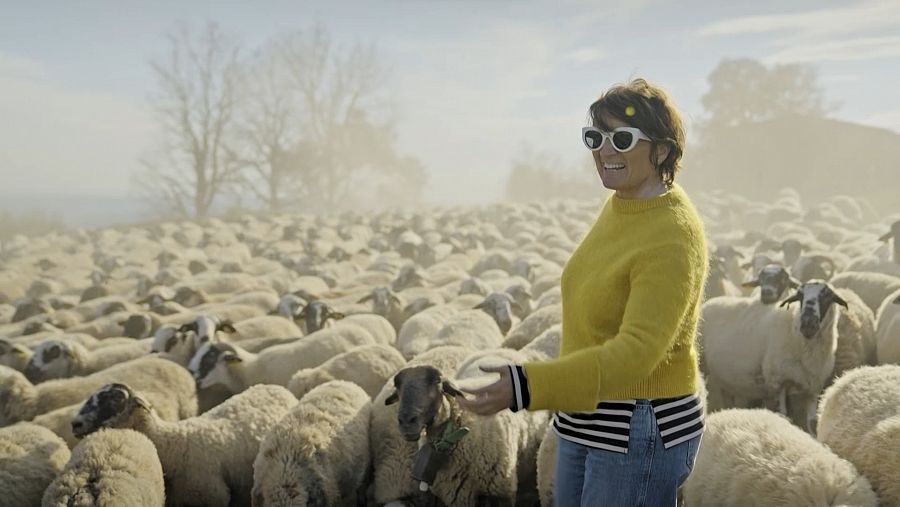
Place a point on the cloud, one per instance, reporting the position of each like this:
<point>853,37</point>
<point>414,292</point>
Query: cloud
<point>55,139</point>
<point>868,48</point>
<point>840,20</point>
<point>863,31</point>
<point>586,55</point>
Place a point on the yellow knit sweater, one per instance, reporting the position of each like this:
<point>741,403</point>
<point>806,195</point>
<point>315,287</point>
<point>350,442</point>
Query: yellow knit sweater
<point>631,295</point>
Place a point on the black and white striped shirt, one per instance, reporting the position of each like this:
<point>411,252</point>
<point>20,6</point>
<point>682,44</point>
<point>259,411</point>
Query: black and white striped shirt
<point>608,426</point>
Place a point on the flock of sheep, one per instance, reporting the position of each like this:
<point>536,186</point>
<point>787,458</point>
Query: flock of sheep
<point>310,360</point>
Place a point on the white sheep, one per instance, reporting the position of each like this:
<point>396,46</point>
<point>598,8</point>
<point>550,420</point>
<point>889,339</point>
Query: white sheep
<point>532,326</point>
<point>14,355</point>
<point>546,468</point>
<point>109,468</point>
<point>761,353</point>
<point>207,459</point>
<point>873,288</point>
<point>751,457</point>
<point>174,397</point>
<point>417,331</point>
<point>55,359</point>
<point>22,401</point>
<point>856,344</point>
<point>887,331</point>
<point>469,328</point>
<point>545,346</point>
<point>379,327</point>
<point>368,366</point>
<point>230,366</point>
<point>859,419</point>
<point>31,456</point>
<point>318,454</point>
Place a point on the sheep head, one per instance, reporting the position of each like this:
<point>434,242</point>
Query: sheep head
<point>773,280</point>
<point>816,299</point>
<point>499,305</point>
<point>54,359</point>
<point>111,406</point>
<point>316,313</point>
<point>213,365</point>
<point>420,391</point>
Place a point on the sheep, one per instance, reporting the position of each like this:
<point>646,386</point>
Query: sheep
<point>418,330</point>
<point>545,346</point>
<point>859,419</point>
<point>756,457</point>
<point>379,327</point>
<point>501,307</point>
<point>22,401</point>
<point>871,287</point>
<point>108,468</point>
<point>174,344</point>
<point>236,369</point>
<point>174,398</point>
<point>469,328</point>
<point>494,462</point>
<point>392,456</point>
<point>756,352</point>
<point>532,326</point>
<point>856,344</point>
<point>14,355</point>
<point>207,459</point>
<point>773,281</point>
<point>887,330</point>
<point>386,303</point>
<point>317,454</point>
<point>546,468</point>
<point>31,456</point>
<point>368,366</point>
<point>103,327</point>
<point>55,359</point>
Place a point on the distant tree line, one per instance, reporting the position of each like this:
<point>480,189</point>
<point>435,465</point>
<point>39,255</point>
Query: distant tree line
<point>297,124</point>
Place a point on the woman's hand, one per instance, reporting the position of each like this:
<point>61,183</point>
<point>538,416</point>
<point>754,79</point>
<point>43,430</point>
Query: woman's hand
<point>491,399</point>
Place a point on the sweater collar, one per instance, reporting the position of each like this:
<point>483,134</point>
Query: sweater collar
<point>628,206</point>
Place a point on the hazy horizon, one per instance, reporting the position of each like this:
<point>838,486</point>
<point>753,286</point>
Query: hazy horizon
<point>474,82</point>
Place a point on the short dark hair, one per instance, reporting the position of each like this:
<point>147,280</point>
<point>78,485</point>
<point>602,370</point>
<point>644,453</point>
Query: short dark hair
<point>649,108</point>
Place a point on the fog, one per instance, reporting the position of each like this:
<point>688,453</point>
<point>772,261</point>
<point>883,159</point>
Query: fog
<point>408,103</point>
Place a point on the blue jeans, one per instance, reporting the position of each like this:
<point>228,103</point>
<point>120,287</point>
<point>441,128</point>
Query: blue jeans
<point>649,475</point>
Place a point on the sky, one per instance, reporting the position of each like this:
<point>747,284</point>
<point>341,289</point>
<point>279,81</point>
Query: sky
<point>475,82</point>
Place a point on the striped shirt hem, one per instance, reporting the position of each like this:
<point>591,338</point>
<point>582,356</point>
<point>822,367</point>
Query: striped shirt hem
<point>608,427</point>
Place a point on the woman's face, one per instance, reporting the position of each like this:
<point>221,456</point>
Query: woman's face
<point>630,174</point>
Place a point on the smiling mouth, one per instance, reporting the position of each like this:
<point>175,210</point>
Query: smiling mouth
<point>613,167</point>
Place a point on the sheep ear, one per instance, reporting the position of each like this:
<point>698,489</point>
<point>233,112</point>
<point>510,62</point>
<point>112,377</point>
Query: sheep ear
<point>393,398</point>
<point>516,306</point>
<point>396,299</point>
<point>450,389</point>
<point>788,301</point>
<point>747,265</point>
<point>227,327</point>
<point>839,300</point>
<point>21,352</point>
<point>231,358</point>
<point>141,402</point>
<point>122,322</point>
<point>480,306</point>
<point>336,315</point>
<point>367,297</point>
<point>793,282</point>
<point>887,236</point>
<point>897,301</point>
<point>302,313</point>
<point>750,284</point>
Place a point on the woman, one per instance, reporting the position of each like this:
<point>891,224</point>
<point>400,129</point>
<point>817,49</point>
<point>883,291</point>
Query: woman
<point>624,388</point>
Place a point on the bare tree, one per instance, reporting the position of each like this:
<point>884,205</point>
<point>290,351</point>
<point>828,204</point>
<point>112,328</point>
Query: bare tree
<point>271,153</point>
<point>344,117</point>
<point>198,87</point>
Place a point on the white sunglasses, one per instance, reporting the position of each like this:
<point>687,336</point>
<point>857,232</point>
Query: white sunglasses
<point>623,138</point>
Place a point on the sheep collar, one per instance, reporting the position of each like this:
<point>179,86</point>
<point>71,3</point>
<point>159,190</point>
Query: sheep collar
<point>432,456</point>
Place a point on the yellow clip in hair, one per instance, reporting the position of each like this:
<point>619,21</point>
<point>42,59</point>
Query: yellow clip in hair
<point>629,111</point>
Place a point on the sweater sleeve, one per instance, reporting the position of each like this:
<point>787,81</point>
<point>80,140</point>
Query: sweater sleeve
<point>660,287</point>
